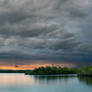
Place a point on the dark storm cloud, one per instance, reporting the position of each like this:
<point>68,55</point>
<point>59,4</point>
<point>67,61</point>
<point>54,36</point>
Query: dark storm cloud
<point>53,30</point>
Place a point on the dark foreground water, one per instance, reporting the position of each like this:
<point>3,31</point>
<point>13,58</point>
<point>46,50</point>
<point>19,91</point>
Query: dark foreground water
<point>27,83</point>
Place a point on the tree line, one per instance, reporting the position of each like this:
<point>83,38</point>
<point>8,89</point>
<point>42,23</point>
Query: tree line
<point>86,71</point>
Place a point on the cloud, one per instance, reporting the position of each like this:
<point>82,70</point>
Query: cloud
<point>46,30</point>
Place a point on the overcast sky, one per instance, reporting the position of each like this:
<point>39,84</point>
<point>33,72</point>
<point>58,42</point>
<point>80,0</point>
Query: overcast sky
<point>45,30</point>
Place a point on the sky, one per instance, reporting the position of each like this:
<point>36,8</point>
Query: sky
<point>45,31</point>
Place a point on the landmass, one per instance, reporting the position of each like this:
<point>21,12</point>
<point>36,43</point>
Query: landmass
<point>52,70</point>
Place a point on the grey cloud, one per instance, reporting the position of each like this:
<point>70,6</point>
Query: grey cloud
<point>45,29</point>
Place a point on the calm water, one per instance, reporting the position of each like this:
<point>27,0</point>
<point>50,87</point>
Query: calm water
<point>27,83</point>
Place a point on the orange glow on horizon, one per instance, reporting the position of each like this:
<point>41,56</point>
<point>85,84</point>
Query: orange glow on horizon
<point>31,67</point>
<point>22,67</point>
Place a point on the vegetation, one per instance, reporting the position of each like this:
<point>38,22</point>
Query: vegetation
<point>52,71</point>
<point>86,71</point>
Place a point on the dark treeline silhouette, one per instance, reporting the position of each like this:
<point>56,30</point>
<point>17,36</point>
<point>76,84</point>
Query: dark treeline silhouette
<point>52,71</point>
<point>14,71</point>
<point>86,71</point>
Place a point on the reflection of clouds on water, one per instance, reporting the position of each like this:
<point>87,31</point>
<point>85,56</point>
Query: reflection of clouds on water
<point>24,80</point>
<point>26,83</point>
<point>15,80</point>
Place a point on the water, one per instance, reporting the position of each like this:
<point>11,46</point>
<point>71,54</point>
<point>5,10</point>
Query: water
<point>27,83</point>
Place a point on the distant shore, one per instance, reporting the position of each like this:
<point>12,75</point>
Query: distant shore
<point>84,72</point>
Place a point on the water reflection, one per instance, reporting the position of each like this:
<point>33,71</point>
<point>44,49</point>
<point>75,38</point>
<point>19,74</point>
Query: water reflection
<point>53,79</point>
<point>26,83</point>
<point>13,79</point>
<point>87,80</point>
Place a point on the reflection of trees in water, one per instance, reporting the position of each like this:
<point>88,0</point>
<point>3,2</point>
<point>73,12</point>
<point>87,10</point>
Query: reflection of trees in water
<point>52,79</point>
<point>87,80</point>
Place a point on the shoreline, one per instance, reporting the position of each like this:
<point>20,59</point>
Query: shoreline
<point>55,71</point>
<point>59,75</point>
